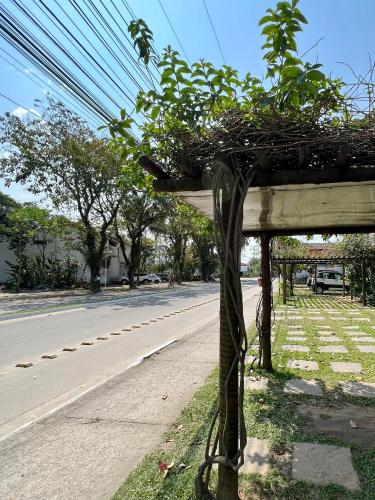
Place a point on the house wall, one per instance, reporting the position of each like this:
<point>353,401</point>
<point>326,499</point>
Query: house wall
<point>117,266</point>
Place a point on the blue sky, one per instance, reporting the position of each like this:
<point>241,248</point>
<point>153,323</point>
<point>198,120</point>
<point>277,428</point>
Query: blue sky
<point>344,28</point>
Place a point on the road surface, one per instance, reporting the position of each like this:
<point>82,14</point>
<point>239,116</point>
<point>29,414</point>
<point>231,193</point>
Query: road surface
<point>146,322</point>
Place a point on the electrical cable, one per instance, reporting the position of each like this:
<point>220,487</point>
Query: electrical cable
<point>19,105</point>
<point>213,29</point>
<point>174,31</point>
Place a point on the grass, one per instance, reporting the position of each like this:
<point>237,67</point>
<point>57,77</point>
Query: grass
<point>270,415</point>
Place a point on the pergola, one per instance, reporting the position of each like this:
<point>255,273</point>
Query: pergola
<point>263,202</point>
<point>314,261</point>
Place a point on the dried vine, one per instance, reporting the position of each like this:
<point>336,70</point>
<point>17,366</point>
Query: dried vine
<point>229,181</point>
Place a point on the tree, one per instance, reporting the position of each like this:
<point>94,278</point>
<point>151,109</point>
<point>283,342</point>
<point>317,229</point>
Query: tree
<point>288,247</point>
<point>203,236</point>
<point>25,225</point>
<point>60,157</point>
<point>361,250</point>
<point>7,204</point>
<point>177,228</point>
<point>140,209</point>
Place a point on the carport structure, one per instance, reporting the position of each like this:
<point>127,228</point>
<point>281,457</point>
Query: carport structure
<point>315,261</point>
<point>262,183</point>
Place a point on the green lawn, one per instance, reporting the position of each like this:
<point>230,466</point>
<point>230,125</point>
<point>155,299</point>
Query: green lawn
<point>269,414</point>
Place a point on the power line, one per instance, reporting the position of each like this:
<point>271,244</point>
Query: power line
<point>21,39</point>
<point>34,76</point>
<point>174,31</point>
<point>213,29</point>
<point>19,105</point>
<point>92,60</point>
<point>55,42</point>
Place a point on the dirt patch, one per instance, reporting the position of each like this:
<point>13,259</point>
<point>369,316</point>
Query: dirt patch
<point>352,424</point>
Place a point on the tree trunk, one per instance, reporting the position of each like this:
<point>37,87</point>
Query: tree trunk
<point>94,255</point>
<point>266,361</point>
<point>227,488</point>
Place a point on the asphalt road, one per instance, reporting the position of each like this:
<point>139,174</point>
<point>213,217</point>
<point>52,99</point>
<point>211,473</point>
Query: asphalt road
<point>146,321</point>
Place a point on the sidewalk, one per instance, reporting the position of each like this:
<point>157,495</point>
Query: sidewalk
<point>86,449</point>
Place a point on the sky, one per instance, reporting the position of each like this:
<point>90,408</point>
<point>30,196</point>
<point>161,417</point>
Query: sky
<point>338,31</point>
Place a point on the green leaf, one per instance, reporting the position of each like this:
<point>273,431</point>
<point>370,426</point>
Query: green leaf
<point>270,28</point>
<point>265,19</point>
<point>315,74</point>
<point>155,112</point>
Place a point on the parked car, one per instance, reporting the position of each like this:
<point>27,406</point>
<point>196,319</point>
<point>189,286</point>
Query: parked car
<point>164,277</point>
<point>144,279</point>
<point>328,279</point>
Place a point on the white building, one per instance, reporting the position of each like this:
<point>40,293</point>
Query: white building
<point>113,265</point>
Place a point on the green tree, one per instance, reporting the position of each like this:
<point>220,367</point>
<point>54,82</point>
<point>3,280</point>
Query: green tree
<point>7,204</point>
<point>25,225</point>
<point>203,236</point>
<point>177,228</point>
<point>60,157</point>
<point>359,248</point>
<point>141,209</point>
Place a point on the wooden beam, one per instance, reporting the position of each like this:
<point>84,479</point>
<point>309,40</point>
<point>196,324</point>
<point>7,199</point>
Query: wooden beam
<point>266,179</point>
<point>187,168</point>
<point>153,168</point>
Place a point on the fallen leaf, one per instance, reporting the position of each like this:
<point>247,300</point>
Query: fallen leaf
<point>169,467</point>
<point>165,396</point>
<point>353,424</point>
<point>180,427</point>
<point>163,467</point>
<point>182,466</point>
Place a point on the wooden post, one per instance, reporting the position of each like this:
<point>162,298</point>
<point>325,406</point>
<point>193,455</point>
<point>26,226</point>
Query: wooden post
<point>364,298</point>
<point>284,282</point>
<point>266,361</point>
<point>227,487</point>
<point>343,280</point>
<point>315,277</point>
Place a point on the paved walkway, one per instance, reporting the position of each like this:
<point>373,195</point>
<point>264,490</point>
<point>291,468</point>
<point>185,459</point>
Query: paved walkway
<point>320,348</point>
<point>86,449</point>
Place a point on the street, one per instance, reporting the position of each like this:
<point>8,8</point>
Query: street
<point>146,322</point>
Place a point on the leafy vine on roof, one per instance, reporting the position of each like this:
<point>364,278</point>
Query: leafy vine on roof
<point>294,117</point>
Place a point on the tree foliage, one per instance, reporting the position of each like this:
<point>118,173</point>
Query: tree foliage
<point>59,157</point>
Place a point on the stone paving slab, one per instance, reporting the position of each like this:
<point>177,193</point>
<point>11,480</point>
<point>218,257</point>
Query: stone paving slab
<point>356,333</point>
<point>351,327</point>
<point>326,332</point>
<point>340,318</point>
<point>295,317</point>
<point>298,332</point>
<point>366,348</point>
<point>255,383</point>
<point>367,340</point>
<point>324,464</point>
<point>330,339</point>
<point>298,386</point>
<point>296,348</point>
<point>256,457</point>
<point>341,367</point>
<point>301,364</point>
<point>360,319</point>
<point>317,318</point>
<point>333,349</point>
<point>362,389</point>
<point>296,339</point>
<point>323,326</point>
